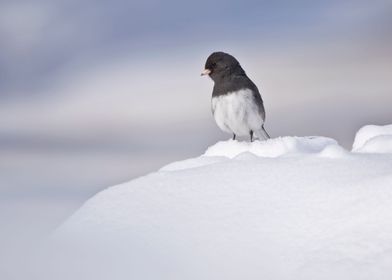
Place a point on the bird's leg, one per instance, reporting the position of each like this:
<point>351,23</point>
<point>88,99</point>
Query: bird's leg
<point>251,136</point>
<point>233,136</point>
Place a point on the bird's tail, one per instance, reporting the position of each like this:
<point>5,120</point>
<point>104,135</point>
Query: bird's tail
<point>265,132</point>
<point>262,134</point>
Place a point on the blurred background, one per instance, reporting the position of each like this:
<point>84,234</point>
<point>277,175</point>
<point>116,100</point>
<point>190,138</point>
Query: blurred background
<point>95,93</point>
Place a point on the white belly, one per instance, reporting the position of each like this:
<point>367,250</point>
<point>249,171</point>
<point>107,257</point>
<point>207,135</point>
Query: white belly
<point>237,112</point>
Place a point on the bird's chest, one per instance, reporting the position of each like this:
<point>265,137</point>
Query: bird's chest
<point>231,111</point>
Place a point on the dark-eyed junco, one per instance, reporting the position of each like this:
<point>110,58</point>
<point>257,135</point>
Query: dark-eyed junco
<point>236,102</point>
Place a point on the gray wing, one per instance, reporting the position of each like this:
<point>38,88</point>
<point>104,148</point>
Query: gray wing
<point>258,101</point>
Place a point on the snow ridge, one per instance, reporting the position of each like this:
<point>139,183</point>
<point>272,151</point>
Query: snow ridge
<point>286,208</point>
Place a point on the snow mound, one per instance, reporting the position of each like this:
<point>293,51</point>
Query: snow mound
<point>379,144</point>
<point>282,146</point>
<point>272,147</point>
<point>333,151</point>
<point>286,208</point>
<point>373,139</point>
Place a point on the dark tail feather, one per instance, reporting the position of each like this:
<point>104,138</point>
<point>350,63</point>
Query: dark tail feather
<point>261,134</point>
<point>265,132</point>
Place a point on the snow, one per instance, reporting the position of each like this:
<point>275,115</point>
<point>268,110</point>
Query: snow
<point>377,144</point>
<point>286,208</point>
<point>373,139</point>
<point>272,147</point>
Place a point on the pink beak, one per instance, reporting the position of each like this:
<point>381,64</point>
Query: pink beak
<point>205,72</point>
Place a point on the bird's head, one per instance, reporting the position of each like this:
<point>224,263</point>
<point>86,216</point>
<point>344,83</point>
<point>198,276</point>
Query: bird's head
<point>220,65</point>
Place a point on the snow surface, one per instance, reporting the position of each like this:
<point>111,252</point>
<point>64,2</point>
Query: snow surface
<point>286,208</point>
<point>272,148</point>
<point>373,139</point>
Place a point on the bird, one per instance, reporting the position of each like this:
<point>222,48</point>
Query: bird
<point>236,102</point>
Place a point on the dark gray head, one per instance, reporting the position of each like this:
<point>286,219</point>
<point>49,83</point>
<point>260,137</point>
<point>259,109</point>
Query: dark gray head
<point>220,65</point>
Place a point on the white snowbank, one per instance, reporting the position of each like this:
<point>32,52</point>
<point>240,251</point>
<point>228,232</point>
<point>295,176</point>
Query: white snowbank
<point>287,208</point>
<point>282,146</point>
<point>373,139</point>
<point>378,144</point>
<point>272,147</point>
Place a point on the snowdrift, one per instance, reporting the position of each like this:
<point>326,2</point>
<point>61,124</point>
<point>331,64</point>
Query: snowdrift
<point>286,208</point>
<point>373,139</point>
